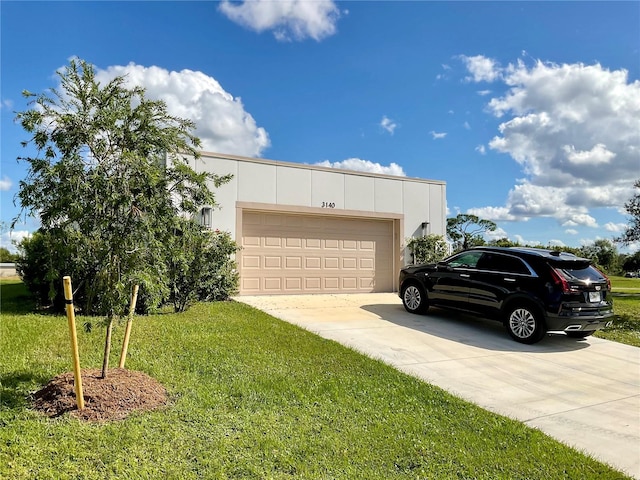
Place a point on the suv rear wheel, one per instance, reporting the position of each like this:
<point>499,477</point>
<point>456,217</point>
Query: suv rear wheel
<point>414,299</point>
<point>524,323</point>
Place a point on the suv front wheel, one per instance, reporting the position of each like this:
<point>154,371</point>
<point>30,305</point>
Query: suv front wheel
<point>524,323</point>
<point>414,299</point>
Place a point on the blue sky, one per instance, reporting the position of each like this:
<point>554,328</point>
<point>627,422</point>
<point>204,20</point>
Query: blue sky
<point>530,111</point>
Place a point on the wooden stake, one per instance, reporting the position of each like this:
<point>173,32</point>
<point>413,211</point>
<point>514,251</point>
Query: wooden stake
<point>127,332</point>
<point>71,318</point>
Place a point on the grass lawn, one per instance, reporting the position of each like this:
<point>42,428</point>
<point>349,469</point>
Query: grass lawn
<point>626,305</point>
<point>254,397</point>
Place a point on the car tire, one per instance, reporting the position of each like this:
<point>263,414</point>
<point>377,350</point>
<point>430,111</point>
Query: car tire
<point>524,323</point>
<point>580,334</point>
<point>414,299</point>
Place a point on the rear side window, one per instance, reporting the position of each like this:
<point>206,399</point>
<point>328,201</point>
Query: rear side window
<point>589,273</point>
<point>497,262</point>
<point>580,270</point>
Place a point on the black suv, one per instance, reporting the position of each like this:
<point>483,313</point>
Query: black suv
<point>530,290</point>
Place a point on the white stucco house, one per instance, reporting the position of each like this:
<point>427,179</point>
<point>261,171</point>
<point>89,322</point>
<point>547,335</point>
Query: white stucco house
<point>310,229</point>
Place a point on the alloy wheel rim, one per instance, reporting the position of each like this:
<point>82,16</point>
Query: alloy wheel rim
<point>412,297</point>
<point>522,323</point>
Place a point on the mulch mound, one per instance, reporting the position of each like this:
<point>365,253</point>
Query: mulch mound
<point>105,399</point>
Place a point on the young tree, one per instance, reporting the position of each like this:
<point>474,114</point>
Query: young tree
<point>466,230</point>
<point>632,234</point>
<point>200,266</point>
<point>109,169</point>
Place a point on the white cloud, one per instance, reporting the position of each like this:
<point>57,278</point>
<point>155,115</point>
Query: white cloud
<point>288,19</point>
<point>481,149</point>
<point>573,129</point>
<point>437,135</point>
<point>9,240</point>
<point>615,227</point>
<point>466,125</point>
<point>494,214</point>
<point>5,184</point>
<point>596,156</point>
<point>484,93</point>
<point>496,234</point>
<point>388,124</point>
<point>360,165</point>
<point>571,231</point>
<point>221,121</point>
<point>520,239</point>
<point>482,69</point>
<point>6,104</point>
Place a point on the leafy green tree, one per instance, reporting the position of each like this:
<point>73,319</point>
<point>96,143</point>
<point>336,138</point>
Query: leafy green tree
<point>632,234</point>
<point>632,263</point>
<point>428,248</point>
<point>6,256</point>
<point>109,168</point>
<point>503,242</point>
<point>466,230</point>
<point>604,253</point>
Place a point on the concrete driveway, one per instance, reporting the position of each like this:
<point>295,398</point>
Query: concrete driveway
<point>585,393</point>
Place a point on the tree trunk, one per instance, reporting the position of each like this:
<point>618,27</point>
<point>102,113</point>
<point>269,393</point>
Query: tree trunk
<point>107,347</point>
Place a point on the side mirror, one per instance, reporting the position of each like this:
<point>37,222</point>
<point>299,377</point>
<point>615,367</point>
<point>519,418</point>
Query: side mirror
<point>443,267</point>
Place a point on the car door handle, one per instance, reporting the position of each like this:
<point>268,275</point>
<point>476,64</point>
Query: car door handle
<point>509,279</point>
<point>465,275</point>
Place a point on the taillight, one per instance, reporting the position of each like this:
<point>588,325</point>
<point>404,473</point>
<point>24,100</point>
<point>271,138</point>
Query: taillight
<point>559,280</point>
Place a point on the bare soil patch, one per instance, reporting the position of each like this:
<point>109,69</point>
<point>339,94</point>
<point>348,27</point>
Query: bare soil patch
<point>112,398</point>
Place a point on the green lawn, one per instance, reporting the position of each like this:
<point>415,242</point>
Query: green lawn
<point>626,306</point>
<point>254,397</point>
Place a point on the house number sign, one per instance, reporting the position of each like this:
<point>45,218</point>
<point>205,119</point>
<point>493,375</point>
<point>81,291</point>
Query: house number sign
<point>328,204</point>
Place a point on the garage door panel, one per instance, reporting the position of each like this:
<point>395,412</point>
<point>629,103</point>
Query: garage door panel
<point>273,242</point>
<point>250,261</point>
<point>312,283</point>
<point>250,284</point>
<point>289,253</point>
<point>367,264</point>
<point>349,244</point>
<point>349,263</point>
<point>366,282</point>
<point>331,283</point>
<point>312,262</point>
<point>312,243</point>
<point>331,244</point>
<point>367,245</point>
<point>273,284</point>
<point>293,243</point>
<point>350,283</point>
<point>273,262</point>
<point>252,241</point>
<point>293,284</point>
<point>331,263</point>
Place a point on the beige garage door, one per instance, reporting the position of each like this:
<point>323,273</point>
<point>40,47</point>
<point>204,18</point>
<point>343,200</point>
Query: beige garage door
<point>294,253</point>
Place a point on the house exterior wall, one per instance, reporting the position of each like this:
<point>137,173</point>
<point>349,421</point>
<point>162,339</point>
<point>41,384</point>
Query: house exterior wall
<point>321,189</point>
<point>413,207</point>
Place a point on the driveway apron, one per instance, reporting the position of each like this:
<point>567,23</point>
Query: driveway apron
<point>585,393</point>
